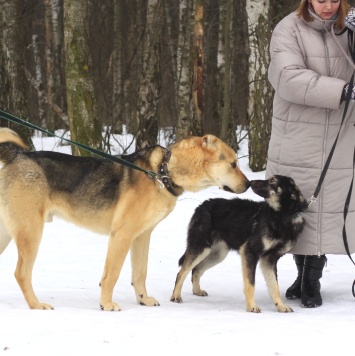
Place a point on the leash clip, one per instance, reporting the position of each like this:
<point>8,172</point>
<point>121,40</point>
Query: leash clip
<point>160,181</point>
<point>313,200</point>
<point>159,178</point>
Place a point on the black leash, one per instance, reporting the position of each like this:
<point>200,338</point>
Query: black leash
<point>324,171</point>
<point>163,179</point>
<point>327,163</point>
<point>351,41</point>
<point>346,208</point>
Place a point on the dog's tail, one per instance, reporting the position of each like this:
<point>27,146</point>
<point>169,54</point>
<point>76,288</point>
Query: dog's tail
<point>200,230</point>
<point>181,260</point>
<point>10,144</point>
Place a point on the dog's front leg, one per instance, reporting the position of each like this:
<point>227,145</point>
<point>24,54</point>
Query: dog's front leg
<point>139,261</point>
<point>269,269</point>
<point>118,248</point>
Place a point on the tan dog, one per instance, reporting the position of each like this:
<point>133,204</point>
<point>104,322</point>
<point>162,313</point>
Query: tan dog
<point>105,197</point>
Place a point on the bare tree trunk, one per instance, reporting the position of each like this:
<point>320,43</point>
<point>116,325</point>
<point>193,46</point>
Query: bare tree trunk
<point>261,94</point>
<point>49,64</point>
<point>101,42</point>
<point>134,27</point>
<point>211,88</point>
<point>151,81</point>
<point>240,63</point>
<point>198,68</point>
<point>184,99</point>
<point>82,111</point>
<point>167,106</point>
<point>260,109</point>
<point>117,86</point>
<point>13,80</point>
<point>228,125</point>
<point>58,72</point>
<point>39,81</point>
<point>278,9</point>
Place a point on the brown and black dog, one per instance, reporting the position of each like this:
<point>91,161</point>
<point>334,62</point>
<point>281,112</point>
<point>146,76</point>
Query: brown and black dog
<point>260,231</point>
<point>105,197</point>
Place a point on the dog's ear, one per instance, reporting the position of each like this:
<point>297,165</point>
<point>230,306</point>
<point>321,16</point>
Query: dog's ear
<point>209,142</point>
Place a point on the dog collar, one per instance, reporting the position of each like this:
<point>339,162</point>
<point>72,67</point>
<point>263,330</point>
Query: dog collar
<point>165,178</point>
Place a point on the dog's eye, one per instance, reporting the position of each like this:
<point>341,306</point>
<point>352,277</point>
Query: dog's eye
<point>234,165</point>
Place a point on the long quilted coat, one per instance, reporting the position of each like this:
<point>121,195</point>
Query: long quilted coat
<point>308,71</point>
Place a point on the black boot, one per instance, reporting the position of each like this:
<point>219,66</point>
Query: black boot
<point>294,291</point>
<point>312,273</point>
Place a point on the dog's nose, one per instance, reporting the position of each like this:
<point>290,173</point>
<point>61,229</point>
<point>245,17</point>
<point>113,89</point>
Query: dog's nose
<point>255,183</point>
<point>247,184</point>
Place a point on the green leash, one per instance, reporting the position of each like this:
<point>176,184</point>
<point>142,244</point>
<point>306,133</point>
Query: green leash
<point>150,174</point>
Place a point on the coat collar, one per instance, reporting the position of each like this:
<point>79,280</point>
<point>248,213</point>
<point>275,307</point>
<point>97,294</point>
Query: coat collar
<point>319,24</point>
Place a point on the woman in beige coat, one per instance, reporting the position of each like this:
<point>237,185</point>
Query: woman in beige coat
<point>310,71</point>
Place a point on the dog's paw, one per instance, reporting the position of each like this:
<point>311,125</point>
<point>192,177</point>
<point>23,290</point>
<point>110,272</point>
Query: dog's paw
<point>253,309</point>
<point>284,308</point>
<point>201,293</point>
<point>112,306</point>
<point>41,306</point>
<point>176,299</point>
<point>148,302</point>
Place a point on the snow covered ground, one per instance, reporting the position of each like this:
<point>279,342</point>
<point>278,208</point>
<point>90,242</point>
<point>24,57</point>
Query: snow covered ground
<point>67,274</point>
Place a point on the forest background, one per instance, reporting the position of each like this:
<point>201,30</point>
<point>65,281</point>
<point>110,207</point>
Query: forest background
<point>101,68</point>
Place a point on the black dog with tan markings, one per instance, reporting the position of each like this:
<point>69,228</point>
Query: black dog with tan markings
<point>259,231</point>
<point>105,197</point>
